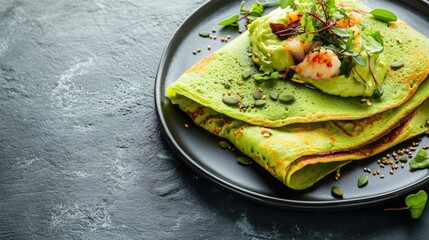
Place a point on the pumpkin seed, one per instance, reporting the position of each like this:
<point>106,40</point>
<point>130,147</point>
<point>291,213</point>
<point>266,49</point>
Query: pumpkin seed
<point>337,192</point>
<point>286,97</point>
<point>397,64</point>
<point>274,95</point>
<point>257,94</point>
<point>259,102</point>
<point>363,180</point>
<point>230,100</point>
<point>224,145</point>
<point>403,159</point>
<point>246,73</point>
<point>244,160</point>
<point>204,34</point>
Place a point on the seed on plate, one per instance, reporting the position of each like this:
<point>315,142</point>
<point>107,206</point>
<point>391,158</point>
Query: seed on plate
<point>244,160</point>
<point>209,47</point>
<point>186,125</point>
<point>382,176</point>
<point>391,171</point>
<point>363,180</point>
<point>337,192</point>
<point>213,30</point>
<point>224,145</point>
<point>204,34</point>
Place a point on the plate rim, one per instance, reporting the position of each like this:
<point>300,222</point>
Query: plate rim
<point>306,205</point>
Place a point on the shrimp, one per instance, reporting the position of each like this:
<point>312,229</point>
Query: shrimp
<point>294,17</point>
<point>354,19</point>
<point>298,48</point>
<point>320,63</point>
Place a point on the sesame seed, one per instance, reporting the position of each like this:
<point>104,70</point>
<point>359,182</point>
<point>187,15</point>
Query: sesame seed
<point>391,171</point>
<point>382,176</point>
<point>398,40</point>
<point>186,125</point>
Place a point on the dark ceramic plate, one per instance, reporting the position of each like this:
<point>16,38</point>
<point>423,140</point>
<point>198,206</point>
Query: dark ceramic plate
<point>199,149</point>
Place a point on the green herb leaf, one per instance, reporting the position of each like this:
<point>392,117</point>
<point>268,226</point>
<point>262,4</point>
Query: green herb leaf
<point>286,3</point>
<point>371,45</point>
<point>257,10</point>
<point>359,60</point>
<point>377,36</point>
<point>416,203</point>
<point>420,161</point>
<point>230,21</point>
<point>274,75</point>
<point>341,32</point>
<point>345,68</point>
<point>349,44</point>
<point>343,13</point>
<point>383,15</point>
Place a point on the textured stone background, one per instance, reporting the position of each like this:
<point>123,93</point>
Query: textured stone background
<point>82,155</point>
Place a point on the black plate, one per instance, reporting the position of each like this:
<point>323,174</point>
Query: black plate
<point>199,149</point>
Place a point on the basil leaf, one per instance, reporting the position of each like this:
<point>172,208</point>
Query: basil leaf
<point>231,21</point>
<point>383,15</point>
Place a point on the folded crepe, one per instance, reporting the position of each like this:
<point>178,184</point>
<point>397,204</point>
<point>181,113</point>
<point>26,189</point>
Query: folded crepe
<point>303,141</point>
<point>221,73</point>
<point>301,154</point>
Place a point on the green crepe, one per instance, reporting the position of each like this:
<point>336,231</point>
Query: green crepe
<point>301,154</point>
<point>303,141</point>
<point>221,73</point>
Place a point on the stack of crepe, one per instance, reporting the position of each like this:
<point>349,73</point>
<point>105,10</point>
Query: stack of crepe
<point>302,141</point>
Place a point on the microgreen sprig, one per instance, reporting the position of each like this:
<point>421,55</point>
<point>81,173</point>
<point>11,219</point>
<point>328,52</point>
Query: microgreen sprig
<point>319,21</point>
<point>256,10</point>
<point>415,203</point>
